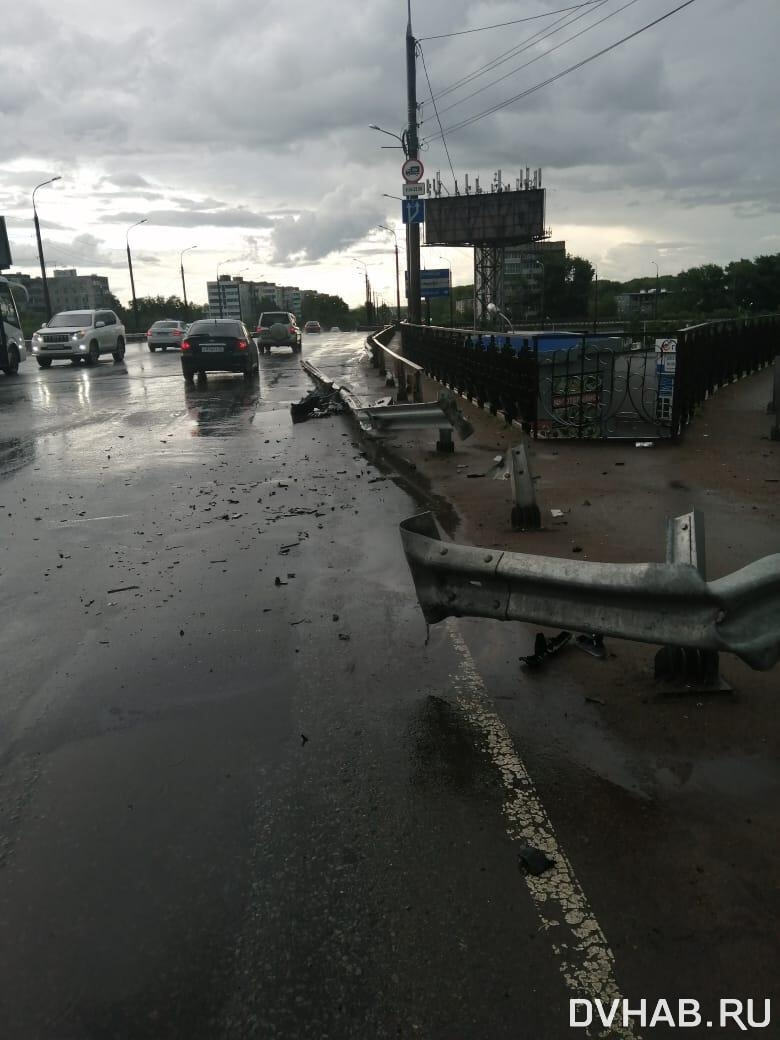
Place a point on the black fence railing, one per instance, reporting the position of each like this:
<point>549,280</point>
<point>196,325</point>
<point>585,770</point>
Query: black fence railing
<point>594,387</point>
<point>491,373</point>
<point>717,353</point>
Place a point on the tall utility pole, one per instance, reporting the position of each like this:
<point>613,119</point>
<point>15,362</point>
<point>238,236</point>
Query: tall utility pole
<point>130,268</point>
<point>657,276</point>
<point>46,298</point>
<point>596,306</point>
<point>397,274</point>
<point>183,285</point>
<point>412,152</point>
<point>357,260</point>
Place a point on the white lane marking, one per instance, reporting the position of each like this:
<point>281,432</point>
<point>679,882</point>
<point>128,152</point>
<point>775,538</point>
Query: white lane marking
<point>89,519</point>
<point>586,961</point>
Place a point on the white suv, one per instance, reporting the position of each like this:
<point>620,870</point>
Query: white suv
<point>79,335</point>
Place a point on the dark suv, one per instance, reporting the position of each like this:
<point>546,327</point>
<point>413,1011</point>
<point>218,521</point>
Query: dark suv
<point>278,329</point>
<point>218,345</point>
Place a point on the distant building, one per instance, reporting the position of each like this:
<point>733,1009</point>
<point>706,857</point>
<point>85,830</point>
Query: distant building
<point>232,297</point>
<point>640,303</point>
<point>292,299</point>
<point>524,276</point>
<point>68,290</point>
<point>268,291</point>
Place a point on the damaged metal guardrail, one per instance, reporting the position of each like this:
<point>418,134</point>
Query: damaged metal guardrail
<point>407,375</point>
<point>657,603</point>
<point>442,415</point>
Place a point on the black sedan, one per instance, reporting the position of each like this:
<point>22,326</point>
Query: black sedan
<point>219,345</point>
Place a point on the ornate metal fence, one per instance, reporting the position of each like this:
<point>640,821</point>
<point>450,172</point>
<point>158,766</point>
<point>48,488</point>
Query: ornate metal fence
<point>595,388</point>
<point>600,390</point>
<point>717,353</point>
<point>484,369</point>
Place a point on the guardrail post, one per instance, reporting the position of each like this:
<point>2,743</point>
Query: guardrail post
<point>418,390</point>
<point>402,392</point>
<point>525,511</point>
<point>445,442</point>
<point>682,669</point>
<point>774,404</point>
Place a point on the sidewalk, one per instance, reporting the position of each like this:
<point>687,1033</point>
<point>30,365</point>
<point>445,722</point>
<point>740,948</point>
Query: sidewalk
<point>615,499</point>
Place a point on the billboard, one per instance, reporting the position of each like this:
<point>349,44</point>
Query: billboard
<point>502,218</point>
<point>433,283</point>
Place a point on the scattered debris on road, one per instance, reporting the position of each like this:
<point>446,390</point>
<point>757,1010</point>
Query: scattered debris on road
<point>316,405</point>
<point>544,648</point>
<point>534,860</point>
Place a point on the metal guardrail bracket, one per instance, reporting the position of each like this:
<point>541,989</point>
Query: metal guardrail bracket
<point>525,512</point>
<point>682,669</point>
<point>449,406</point>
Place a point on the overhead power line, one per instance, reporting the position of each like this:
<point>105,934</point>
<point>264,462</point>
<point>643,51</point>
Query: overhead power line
<point>539,57</point>
<point>435,109</point>
<point>501,25</point>
<point>529,41</point>
<point>560,75</point>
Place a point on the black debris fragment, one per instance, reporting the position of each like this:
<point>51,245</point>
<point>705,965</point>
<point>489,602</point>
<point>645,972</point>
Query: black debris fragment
<point>316,405</point>
<point>544,648</point>
<point>534,861</point>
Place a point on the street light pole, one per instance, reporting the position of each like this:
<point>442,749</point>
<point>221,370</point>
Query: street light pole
<point>397,275</point>
<point>540,263</point>
<point>130,268</point>
<point>412,148</point>
<point>596,305</point>
<point>657,275</point>
<point>219,288</point>
<point>183,285</point>
<point>46,300</point>
<point>368,289</point>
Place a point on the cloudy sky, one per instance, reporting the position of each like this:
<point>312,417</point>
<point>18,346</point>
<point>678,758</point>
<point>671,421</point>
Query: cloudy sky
<point>242,128</point>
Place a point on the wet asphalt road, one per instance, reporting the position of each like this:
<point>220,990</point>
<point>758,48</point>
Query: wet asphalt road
<point>236,808</point>
<point>177,860</point>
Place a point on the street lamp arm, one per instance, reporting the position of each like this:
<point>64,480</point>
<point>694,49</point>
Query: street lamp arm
<point>137,223</point>
<point>373,126</point>
<point>43,184</point>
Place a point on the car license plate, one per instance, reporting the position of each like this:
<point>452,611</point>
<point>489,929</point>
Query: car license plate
<point>213,349</point>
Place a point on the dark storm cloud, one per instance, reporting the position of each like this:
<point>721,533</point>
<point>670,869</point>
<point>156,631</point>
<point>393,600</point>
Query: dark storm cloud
<point>273,114</point>
<point>227,218</point>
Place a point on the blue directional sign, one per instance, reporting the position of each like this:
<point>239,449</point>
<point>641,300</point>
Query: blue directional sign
<point>413,211</point>
<point>433,283</point>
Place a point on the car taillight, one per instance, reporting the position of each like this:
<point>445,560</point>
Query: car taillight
<point>292,330</point>
<point>149,333</point>
<point>177,332</point>
<point>242,344</point>
<point>262,328</point>
<point>186,345</point>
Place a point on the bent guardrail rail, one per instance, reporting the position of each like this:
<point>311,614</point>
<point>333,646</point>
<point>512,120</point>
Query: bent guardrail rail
<point>442,415</point>
<point>657,603</point>
<point>405,372</point>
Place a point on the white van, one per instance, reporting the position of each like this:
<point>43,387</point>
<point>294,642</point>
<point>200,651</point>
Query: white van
<point>12,348</point>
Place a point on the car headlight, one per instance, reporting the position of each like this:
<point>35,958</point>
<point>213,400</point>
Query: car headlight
<point>37,337</point>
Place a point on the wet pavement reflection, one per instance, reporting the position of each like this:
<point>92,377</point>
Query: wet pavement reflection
<point>221,408</point>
